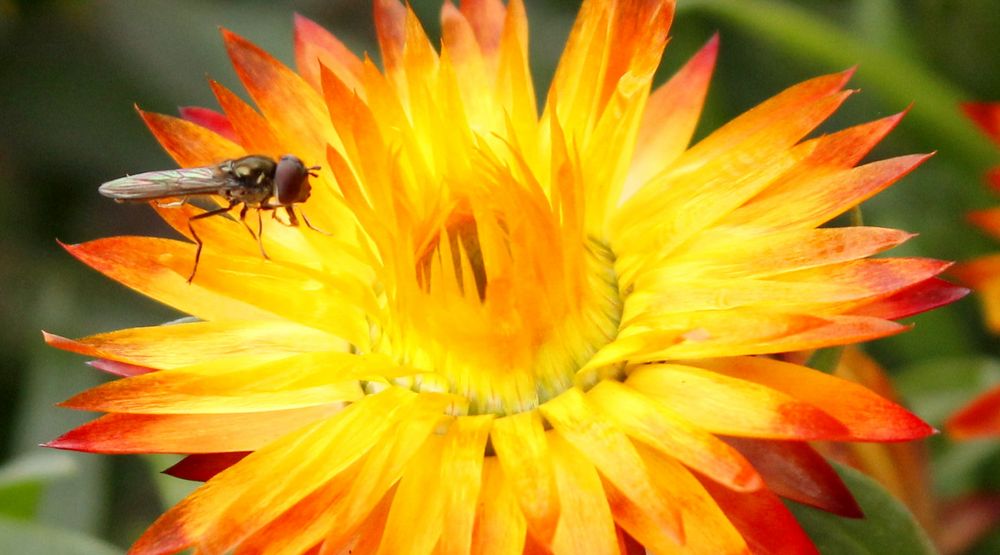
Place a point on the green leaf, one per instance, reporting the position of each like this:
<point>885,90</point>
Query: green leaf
<point>26,538</point>
<point>22,479</point>
<point>888,527</point>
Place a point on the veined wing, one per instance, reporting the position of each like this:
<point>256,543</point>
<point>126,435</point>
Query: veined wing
<point>153,185</point>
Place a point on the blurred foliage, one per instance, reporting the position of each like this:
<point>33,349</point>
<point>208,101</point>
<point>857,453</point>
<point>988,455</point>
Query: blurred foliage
<point>71,71</point>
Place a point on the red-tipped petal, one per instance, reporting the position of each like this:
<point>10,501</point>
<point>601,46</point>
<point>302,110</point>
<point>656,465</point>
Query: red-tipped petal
<point>867,416</point>
<point>201,468</point>
<point>796,471</point>
<point>210,119</point>
<point>187,433</point>
<point>190,144</point>
<point>915,299</point>
<point>314,46</point>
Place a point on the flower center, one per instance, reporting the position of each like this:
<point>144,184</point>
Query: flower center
<point>505,310</point>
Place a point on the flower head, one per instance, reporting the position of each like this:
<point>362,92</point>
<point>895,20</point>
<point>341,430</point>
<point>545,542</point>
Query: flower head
<point>524,330</point>
<point>981,417</point>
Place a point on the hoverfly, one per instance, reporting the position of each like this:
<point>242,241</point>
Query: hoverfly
<point>254,181</point>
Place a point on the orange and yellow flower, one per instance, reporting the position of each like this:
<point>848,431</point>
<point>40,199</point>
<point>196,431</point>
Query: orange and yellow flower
<point>526,332</point>
<point>981,417</point>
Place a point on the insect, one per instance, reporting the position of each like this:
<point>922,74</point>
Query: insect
<point>253,181</point>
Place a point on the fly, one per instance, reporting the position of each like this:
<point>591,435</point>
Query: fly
<point>252,181</point>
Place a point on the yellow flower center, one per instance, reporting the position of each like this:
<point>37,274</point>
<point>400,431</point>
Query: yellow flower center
<point>499,315</point>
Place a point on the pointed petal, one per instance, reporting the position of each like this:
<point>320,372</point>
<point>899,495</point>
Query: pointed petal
<point>249,383</point>
<point>523,450</point>
<point>614,456</point>
<point>211,120</point>
<point>314,46</point>
<point>980,418</point>
<point>187,433</point>
<point>664,430</point>
<point>671,114</point>
<point>114,367</point>
<point>157,268</point>
<point>707,527</point>
<point>868,417</point>
<point>191,145</point>
<point>147,265</point>
<point>202,467</point>
<point>765,523</point>
<point>254,132</point>
<point>796,471</point>
<point>586,525</point>
<point>269,480</point>
<point>915,299</point>
<point>734,407</point>
<point>816,201</point>
<point>346,523</point>
<point>175,345</point>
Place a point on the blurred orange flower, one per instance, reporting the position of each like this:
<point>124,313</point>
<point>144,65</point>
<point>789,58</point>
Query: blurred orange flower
<point>525,331</point>
<point>981,417</point>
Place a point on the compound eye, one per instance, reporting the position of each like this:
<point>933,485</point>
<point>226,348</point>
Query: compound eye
<point>291,181</point>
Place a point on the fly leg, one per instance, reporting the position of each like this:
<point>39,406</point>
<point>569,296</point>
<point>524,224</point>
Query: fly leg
<point>293,221</point>
<point>197,252</point>
<point>260,229</point>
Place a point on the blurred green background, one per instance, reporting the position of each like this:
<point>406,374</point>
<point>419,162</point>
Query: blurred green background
<point>70,72</point>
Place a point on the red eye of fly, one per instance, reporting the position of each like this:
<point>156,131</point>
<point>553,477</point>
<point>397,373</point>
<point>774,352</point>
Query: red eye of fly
<point>291,181</point>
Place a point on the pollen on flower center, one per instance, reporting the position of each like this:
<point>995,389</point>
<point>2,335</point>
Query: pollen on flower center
<point>504,307</point>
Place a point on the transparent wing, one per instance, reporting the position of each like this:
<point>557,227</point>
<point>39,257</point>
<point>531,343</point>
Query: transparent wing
<point>168,183</point>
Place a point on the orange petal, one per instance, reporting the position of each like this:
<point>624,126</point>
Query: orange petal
<point>250,383</point>
<point>176,345</point>
<point>147,265</point>
<point>980,418</point>
<point>816,201</point>
<point>701,189</point>
<point>187,433</point>
<point>247,496</point>
<point>344,523</point>
<point>707,527</point>
<point>664,430</point>
<point>461,475</point>
<point>500,525</point>
<point>294,109</point>
<point>523,450</point>
<point>614,456</point>
<point>209,119</point>
<point>766,524</point>
<point>191,145</point>
<point>796,471</point>
<point>416,521</point>
<point>254,132</point>
<point>776,109</point>
<point>114,367</point>
<point>727,253</point>
<point>867,416</point>
<point>158,269</point>
<point>733,407</point>
<point>315,46</point>
<point>671,114</point>
<point>390,28</point>
<point>586,525</point>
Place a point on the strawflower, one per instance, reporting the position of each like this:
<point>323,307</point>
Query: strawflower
<point>524,332</point>
<point>981,417</point>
